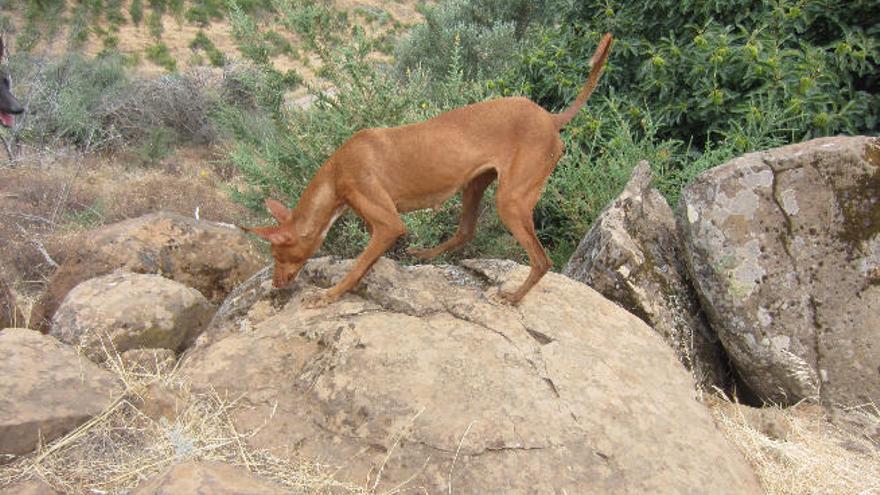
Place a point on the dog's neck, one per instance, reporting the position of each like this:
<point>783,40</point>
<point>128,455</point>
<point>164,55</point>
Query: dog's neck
<point>317,209</point>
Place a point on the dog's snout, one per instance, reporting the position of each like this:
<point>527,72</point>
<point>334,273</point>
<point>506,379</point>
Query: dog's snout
<point>15,107</point>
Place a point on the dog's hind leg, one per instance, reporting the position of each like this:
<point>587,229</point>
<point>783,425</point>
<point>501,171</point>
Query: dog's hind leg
<point>518,193</point>
<point>470,203</point>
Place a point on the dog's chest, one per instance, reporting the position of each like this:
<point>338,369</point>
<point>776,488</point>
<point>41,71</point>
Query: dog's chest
<point>433,200</point>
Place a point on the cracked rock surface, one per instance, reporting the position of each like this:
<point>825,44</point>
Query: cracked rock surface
<point>210,257</point>
<point>417,378</point>
<point>631,255</point>
<point>783,248</point>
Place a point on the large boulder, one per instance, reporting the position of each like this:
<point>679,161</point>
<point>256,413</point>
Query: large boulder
<point>124,310</point>
<point>46,390</point>
<point>209,478</point>
<point>784,250</point>
<point>631,255</point>
<point>420,379</point>
<point>210,257</point>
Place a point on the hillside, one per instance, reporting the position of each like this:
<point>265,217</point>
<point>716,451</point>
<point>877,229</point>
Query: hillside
<point>180,28</point>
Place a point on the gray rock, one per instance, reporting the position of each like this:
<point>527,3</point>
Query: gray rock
<point>31,487</point>
<point>123,311</point>
<point>47,390</point>
<point>631,255</point>
<point>783,248</point>
<point>213,478</point>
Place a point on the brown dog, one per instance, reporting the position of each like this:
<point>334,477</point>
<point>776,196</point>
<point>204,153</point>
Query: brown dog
<point>379,173</point>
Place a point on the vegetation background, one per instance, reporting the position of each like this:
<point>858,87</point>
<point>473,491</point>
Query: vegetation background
<point>690,85</point>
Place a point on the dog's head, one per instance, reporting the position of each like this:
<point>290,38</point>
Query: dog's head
<point>9,105</point>
<point>289,251</point>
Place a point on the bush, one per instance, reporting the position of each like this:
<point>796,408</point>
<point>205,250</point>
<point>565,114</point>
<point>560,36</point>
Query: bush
<point>202,12</point>
<point>168,109</point>
<point>64,97</point>
<point>155,145</point>
<point>703,66</point>
<point>161,56</point>
<point>136,11</point>
<point>488,32</point>
<point>247,34</point>
<point>202,42</point>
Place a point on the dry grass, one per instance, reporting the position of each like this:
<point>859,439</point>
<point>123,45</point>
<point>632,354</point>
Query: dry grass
<point>800,451</point>
<point>130,442</point>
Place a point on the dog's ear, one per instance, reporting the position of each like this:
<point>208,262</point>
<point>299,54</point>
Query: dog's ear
<point>278,210</point>
<point>275,234</point>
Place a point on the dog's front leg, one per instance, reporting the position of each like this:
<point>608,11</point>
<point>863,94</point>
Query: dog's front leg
<point>386,226</point>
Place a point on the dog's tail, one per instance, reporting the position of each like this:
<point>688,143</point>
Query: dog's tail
<point>597,65</point>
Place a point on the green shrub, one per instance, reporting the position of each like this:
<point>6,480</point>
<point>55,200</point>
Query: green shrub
<point>113,13</point>
<point>161,56</point>
<point>247,34</point>
<point>316,21</point>
<point>42,20</point>
<point>79,26</point>
<point>65,98</point>
<point>278,45</point>
<point>488,32</point>
<point>202,12</point>
<point>202,42</point>
<point>154,23</point>
<point>156,146</point>
<point>703,66</point>
<point>176,7</point>
<point>136,11</point>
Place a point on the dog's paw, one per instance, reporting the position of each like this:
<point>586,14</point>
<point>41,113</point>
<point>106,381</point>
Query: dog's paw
<point>422,254</point>
<point>318,299</point>
<point>501,297</point>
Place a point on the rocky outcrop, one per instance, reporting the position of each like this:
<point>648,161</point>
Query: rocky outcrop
<point>419,379</point>
<point>631,255</point>
<point>123,311</point>
<point>210,257</point>
<point>209,478</point>
<point>47,390</point>
<point>783,248</point>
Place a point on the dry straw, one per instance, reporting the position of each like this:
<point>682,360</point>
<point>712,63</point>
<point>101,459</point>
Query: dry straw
<point>123,446</point>
<point>798,451</point>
